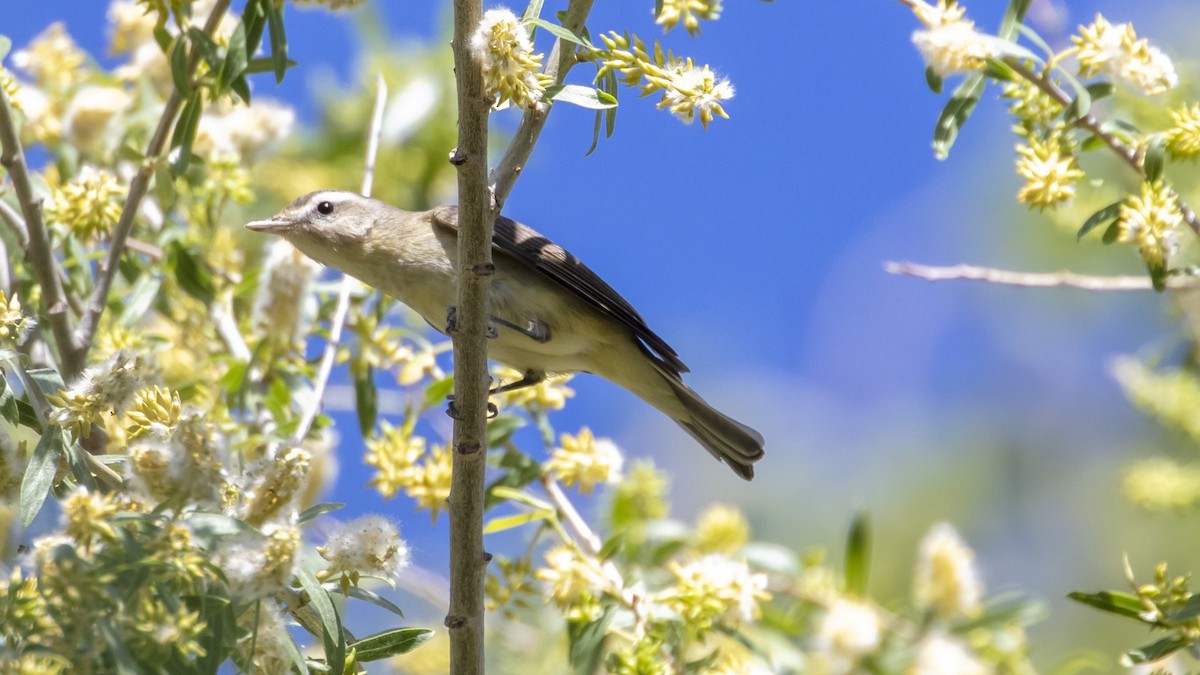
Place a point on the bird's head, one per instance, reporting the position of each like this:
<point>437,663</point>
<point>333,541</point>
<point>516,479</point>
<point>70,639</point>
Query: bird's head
<point>323,220</point>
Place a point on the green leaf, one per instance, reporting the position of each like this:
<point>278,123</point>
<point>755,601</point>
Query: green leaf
<point>125,663</point>
<point>521,470</point>
<point>39,475</point>
<point>586,643</point>
<point>1158,275</point>
<point>956,113</point>
<point>193,276</point>
<point>595,133</point>
<point>934,80</point>
<point>509,522</point>
<point>438,390</point>
<point>1154,161</point>
<point>266,64</point>
<point>164,186</point>
<point>79,466</point>
<point>1157,650</point>
<point>1189,611</point>
<point>255,17</point>
<point>375,599</point>
<point>584,97</point>
<point>365,397</point>
<point>8,401</point>
<point>6,45</point>
<point>180,73</point>
<point>236,58</point>
<point>139,299</point>
<point>1111,233</point>
<point>999,70</point>
<point>559,32</point>
<point>319,510</point>
<point>331,623</point>
<point>501,427</point>
<point>279,45</point>
<point>1099,90</point>
<point>858,555</point>
<point>185,132</point>
<point>1104,215</point>
<point>1079,106</point>
<point>47,380</point>
<point>1113,602</point>
<point>1005,610</point>
<point>390,643</point>
<point>1013,16</point>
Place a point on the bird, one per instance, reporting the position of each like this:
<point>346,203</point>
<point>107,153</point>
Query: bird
<point>549,313</point>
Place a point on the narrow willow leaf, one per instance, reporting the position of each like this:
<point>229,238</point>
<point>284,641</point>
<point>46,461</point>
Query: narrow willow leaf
<point>559,32</point>
<point>236,59</point>
<point>8,401</point>
<point>933,80</point>
<point>48,380</point>
<point>180,73</point>
<point>1113,602</point>
<point>1157,650</point>
<point>1111,233</point>
<point>140,298</point>
<point>1013,17</point>
<point>331,623</point>
<point>501,428</point>
<point>1154,162</point>
<point>584,97</point>
<point>6,45</point>
<point>266,64</point>
<point>509,522</point>
<point>586,643</point>
<point>1104,215</point>
<point>858,555</point>
<point>39,474</point>
<point>1189,611</point>
<point>279,45</point>
<point>390,643</point>
<point>1100,90</point>
<point>319,510</point>
<point>185,132</point>
<point>365,398</point>
<point>375,599</point>
<point>191,273</point>
<point>956,113</point>
<point>79,466</point>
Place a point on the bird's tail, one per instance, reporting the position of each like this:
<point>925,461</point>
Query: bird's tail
<point>725,438</point>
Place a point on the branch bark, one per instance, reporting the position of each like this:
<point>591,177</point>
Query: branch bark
<point>468,560</point>
<point>40,254</point>
<point>1034,279</point>
<point>562,59</point>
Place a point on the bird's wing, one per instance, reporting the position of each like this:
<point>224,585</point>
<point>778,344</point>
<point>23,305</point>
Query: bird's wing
<point>537,252</point>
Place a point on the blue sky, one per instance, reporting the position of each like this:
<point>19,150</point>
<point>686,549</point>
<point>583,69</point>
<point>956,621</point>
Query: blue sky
<point>756,249</point>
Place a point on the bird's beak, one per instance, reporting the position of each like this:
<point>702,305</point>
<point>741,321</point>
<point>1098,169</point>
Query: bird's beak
<point>274,224</point>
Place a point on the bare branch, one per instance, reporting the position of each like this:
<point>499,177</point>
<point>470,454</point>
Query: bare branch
<point>40,253</point>
<point>562,59</point>
<point>1034,279</point>
<point>14,222</point>
<point>583,533</point>
<point>468,560</point>
<point>342,309</point>
<point>137,191</point>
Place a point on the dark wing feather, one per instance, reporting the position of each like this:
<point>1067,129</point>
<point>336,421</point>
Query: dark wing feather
<point>536,251</point>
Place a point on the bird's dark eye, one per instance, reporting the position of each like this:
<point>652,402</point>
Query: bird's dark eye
<point>325,208</point>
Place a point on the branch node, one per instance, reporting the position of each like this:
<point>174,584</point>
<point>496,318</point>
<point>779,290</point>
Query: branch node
<point>455,622</point>
<point>457,157</point>
<point>468,447</point>
<point>483,269</point>
<point>487,558</point>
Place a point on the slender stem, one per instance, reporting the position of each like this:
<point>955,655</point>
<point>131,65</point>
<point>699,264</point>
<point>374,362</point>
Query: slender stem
<point>562,59</point>
<point>342,309</point>
<point>137,191</point>
<point>583,533</point>
<point>14,222</point>
<point>40,253</point>
<point>1034,279</point>
<point>468,560</point>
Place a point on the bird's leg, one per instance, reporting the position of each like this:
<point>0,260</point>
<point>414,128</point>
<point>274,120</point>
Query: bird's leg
<point>452,323</point>
<point>536,330</point>
<point>530,378</point>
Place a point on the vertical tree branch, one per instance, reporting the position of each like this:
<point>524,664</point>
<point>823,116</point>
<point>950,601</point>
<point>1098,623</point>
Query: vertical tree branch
<point>137,190</point>
<point>562,59</point>
<point>468,561</point>
<point>40,254</point>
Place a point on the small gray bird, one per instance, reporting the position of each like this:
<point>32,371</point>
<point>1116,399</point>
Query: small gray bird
<point>550,312</point>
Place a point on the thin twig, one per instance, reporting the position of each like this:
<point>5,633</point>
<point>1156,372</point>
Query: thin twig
<point>342,309</point>
<point>1034,279</point>
<point>40,253</point>
<point>137,190</point>
<point>570,514</point>
<point>562,59</point>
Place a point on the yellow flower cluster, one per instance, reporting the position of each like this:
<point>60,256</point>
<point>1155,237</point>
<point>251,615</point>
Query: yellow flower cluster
<point>949,42</point>
<point>549,394</point>
<point>281,481</point>
<point>1161,484</point>
<point>574,582</point>
<point>154,411</point>
<point>511,69</point>
<point>946,581</point>
<point>689,13</point>
<point>714,588</point>
<point>1116,51</point>
<point>105,388</point>
<point>396,455</point>
<point>688,91</point>
<point>1151,220</point>
<point>52,59</point>
<point>14,324</point>
<point>1049,170</point>
<point>1183,138</point>
<point>90,205</point>
<point>584,461</point>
